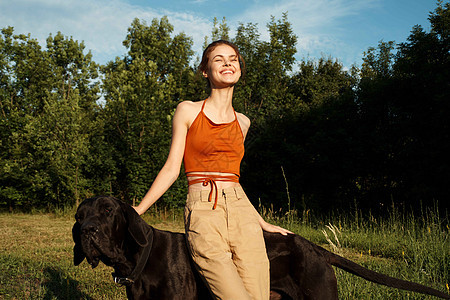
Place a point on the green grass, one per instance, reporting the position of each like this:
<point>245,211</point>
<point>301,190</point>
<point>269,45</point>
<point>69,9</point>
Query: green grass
<point>399,245</point>
<point>36,253</point>
<point>36,259</point>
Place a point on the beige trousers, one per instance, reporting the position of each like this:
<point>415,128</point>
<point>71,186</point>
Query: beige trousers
<point>227,245</point>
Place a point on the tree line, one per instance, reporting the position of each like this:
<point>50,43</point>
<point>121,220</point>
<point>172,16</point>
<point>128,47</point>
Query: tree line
<point>369,136</point>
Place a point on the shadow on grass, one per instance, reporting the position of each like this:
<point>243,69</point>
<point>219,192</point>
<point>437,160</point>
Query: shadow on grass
<point>59,286</point>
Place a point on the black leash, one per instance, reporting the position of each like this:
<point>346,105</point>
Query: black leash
<point>140,265</point>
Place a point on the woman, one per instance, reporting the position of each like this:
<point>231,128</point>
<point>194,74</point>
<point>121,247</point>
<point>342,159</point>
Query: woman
<point>223,229</point>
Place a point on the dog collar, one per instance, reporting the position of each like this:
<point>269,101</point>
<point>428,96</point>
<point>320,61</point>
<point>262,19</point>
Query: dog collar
<point>140,265</point>
<point>122,280</point>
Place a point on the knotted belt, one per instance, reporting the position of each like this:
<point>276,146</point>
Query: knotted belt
<point>211,180</point>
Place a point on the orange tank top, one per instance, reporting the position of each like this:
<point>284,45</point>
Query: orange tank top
<point>212,147</point>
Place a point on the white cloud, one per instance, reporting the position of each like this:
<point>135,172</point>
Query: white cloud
<point>319,24</point>
<point>101,24</point>
<point>307,15</point>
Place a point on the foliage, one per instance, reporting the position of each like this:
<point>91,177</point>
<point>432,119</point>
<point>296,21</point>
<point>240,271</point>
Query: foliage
<point>141,92</point>
<point>362,137</point>
<point>263,91</point>
<point>401,98</point>
<point>47,100</point>
<point>365,138</point>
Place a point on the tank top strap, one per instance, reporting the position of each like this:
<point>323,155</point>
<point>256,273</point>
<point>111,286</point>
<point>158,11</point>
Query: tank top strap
<point>203,105</point>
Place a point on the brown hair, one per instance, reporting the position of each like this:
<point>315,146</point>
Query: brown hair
<point>205,57</point>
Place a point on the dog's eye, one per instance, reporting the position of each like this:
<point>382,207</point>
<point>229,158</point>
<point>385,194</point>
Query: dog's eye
<point>108,210</point>
<point>78,218</point>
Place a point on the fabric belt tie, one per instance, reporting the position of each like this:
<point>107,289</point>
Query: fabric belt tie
<point>211,180</point>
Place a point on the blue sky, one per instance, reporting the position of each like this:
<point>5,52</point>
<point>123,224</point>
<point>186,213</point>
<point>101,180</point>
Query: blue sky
<point>342,29</point>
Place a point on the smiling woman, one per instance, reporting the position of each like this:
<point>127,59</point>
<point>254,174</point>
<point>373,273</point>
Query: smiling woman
<point>226,60</point>
<point>224,68</point>
<point>223,229</point>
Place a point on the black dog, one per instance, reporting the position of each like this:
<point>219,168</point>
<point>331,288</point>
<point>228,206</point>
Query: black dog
<point>155,264</point>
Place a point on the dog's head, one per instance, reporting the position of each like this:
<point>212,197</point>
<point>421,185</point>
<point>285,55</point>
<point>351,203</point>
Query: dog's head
<point>103,229</point>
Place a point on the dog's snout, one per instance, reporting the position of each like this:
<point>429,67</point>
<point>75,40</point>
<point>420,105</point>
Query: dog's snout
<point>89,228</point>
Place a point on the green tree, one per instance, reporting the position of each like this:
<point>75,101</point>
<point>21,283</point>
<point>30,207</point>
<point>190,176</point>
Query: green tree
<point>154,43</point>
<point>264,91</point>
<point>316,82</point>
<point>313,141</point>
<point>404,115</point>
<point>19,56</point>
<point>218,32</point>
<point>378,62</point>
<point>141,93</point>
<point>422,89</point>
<point>248,41</point>
<point>46,105</point>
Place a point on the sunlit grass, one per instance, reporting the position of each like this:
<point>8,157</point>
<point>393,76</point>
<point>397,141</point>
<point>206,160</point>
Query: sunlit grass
<point>400,245</point>
<point>36,252</point>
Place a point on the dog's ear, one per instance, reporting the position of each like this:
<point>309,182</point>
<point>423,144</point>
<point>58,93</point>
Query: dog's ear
<point>136,226</point>
<point>78,254</point>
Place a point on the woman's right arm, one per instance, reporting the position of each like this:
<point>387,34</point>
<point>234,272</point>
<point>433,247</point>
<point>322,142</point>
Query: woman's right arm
<point>171,169</point>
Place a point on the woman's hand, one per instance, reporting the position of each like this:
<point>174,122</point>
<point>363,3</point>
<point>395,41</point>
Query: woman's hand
<point>272,228</point>
<point>136,208</point>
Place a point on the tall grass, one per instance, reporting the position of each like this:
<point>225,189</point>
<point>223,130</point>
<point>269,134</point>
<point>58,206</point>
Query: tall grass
<point>403,245</point>
<point>36,252</point>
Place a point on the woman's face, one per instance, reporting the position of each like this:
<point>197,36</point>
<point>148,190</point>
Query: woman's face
<point>223,67</point>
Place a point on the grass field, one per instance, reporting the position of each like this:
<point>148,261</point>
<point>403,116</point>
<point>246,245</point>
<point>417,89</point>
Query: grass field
<point>36,253</point>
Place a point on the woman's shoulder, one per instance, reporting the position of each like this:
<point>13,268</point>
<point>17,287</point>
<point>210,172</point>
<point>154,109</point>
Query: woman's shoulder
<point>243,118</point>
<point>189,110</point>
<point>189,105</point>
<point>244,121</point>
